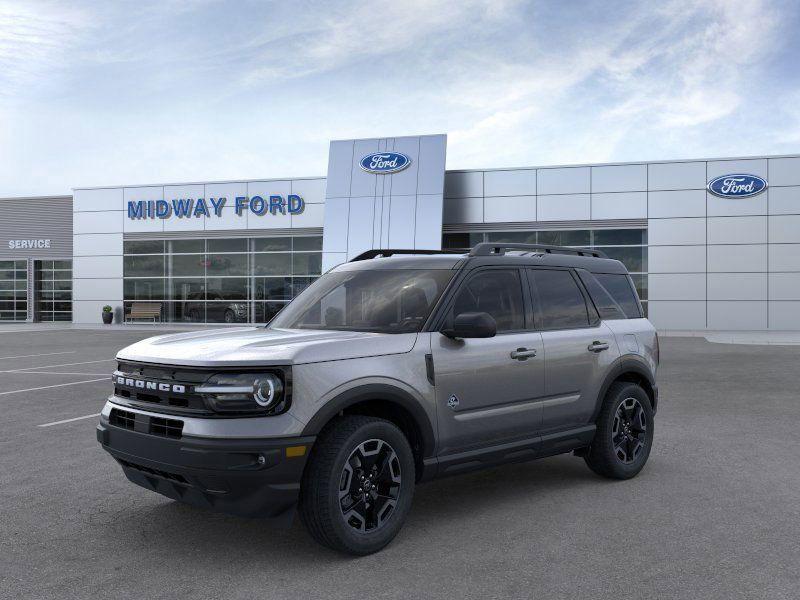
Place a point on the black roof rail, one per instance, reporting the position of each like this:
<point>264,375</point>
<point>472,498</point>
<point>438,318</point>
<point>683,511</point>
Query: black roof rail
<point>369,254</point>
<point>492,248</point>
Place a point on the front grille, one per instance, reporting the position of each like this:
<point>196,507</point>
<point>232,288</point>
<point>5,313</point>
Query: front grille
<point>122,418</point>
<point>158,472</point>
<point>169,401</point>
<point>172,428</point>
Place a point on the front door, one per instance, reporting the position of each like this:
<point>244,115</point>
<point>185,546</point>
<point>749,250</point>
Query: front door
<point>488,390</point>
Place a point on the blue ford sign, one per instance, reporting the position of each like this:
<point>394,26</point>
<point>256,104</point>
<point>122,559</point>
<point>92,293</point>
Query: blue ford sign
<point>385,163</point>
<point>736,186</point>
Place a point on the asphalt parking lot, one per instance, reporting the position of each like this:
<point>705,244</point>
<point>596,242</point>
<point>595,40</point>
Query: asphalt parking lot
<point>715,514</point>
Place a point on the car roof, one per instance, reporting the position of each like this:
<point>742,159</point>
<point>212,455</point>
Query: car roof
<point>406,259</point>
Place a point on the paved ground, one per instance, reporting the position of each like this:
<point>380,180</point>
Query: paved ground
<point>715,514</point>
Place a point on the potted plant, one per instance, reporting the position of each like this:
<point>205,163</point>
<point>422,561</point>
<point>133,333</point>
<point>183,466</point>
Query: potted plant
<point>108,314</point>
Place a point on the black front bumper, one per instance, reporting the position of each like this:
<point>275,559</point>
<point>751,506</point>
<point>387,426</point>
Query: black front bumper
<point>243,477</point>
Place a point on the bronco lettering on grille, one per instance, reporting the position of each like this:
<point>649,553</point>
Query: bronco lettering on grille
<point>154,386</point>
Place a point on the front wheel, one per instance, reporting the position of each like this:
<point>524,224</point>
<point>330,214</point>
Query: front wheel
<point>358,485</point>
<point>624,434</point>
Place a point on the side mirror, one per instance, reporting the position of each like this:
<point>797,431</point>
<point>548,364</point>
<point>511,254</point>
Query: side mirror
<point>472,325</point>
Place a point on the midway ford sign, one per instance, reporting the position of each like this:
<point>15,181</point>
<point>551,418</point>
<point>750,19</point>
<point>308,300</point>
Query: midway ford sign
<point>384,163</point>
<point>737,186</point>
<point>187,208</point>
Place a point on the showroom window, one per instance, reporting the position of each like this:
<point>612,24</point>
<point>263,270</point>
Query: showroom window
<point>54,290</point>
<point>220,280</point>
<point>626,245</point>
<point>13,290</point>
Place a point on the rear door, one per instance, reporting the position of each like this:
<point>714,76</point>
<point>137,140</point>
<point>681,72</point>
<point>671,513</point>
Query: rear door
<point>578,348</point>
<point>488,390</point>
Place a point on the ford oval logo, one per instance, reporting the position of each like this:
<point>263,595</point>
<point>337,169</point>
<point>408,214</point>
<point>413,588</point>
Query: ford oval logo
<point>384,163</point>
<point>737,186</point>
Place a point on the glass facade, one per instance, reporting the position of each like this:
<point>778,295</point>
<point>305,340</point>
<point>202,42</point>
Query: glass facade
<point>219,280</point>
<point>13,290</point>
<point>628,246</point>
<point>53,290</point>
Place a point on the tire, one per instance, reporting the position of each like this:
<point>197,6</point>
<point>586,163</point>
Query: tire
<point>229,316</point>
<point>345,521</point>
<point>624,433</point>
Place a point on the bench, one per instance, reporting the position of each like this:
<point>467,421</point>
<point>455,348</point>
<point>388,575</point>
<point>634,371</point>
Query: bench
<point>144,310</point>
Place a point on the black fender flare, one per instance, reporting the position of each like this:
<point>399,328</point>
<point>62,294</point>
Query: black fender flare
<point>623,365</point>
<point>376,391</point>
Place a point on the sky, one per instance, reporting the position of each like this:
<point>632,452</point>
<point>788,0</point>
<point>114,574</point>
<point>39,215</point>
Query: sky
<point>109,93</point>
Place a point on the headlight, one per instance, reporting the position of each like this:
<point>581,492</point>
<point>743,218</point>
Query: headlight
<point>244,392</point>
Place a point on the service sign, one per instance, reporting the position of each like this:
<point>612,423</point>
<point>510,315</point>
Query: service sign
<point>737,186</point>
<point>28,244</point>
<point>384,163</point>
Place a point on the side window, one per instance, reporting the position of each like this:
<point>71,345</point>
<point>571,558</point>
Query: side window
<point>560,300</point>
<point>622,291</point>
<point>606,305</point>
<point>497,292</point>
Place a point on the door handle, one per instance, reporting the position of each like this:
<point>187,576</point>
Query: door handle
<point>523,354</point>
<point>598,346</point>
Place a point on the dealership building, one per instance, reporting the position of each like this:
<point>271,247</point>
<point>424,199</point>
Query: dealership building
<point>712,244</point>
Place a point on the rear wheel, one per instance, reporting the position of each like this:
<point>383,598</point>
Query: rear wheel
<point>358,485</point>
<point>624,434</point>
<point>229,316</point>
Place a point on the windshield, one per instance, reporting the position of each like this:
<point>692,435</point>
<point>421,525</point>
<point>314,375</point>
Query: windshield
<point>391,301</point>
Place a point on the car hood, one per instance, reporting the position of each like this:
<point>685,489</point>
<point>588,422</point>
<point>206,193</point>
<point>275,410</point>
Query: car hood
<point>260,346</point>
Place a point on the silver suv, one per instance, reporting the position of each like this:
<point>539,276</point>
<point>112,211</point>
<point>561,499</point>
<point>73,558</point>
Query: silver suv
<point>397,367</point>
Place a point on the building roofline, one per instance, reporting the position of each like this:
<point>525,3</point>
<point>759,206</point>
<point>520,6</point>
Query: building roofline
<point>56,197</point>
<point>222,181</point>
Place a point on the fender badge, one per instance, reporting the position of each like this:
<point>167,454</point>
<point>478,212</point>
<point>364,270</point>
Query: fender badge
<point>452,401</point>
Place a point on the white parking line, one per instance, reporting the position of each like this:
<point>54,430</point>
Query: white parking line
<point>47,387</point>
<point>86,362</point>
<point>35,355</point>
<point>69,420</point>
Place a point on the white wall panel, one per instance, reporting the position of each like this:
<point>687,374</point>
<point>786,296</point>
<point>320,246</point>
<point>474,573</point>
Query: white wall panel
<point>756,205</point>
<point>96,266</point>
<point>737,286</point>
<point>620,205</point>
<point>334,232</point>
<point>679,203</point>
<point>665,314</point>
<point>507,209</point>
<point>673,232</point>
<point>463,210</point>
<point>737,316</point>
<point>91,244</point>
<point>361,182</point>
<point>428,233</point>
<point>313,215</point>
<point>99,199</point>
<point>402,214</point>
<point>566,180</point>
<point>565,207</point>
<point>432,154</point>
<point>619,178</point>
<point>683,286</point>
<point>510,183</point>
<point>97,222</point>
<point>363,229</point>
<point>468,184</point>
<point>677,176</point>
<point>340,159</point>
<point>784,286</point>
<point>90,311</point>
<point>676,259</point>
<point>784,257</point>
<point>229,218</point>
<point>757,166</point>
<point>737,230</point>
<point>784,171</point>
<point>784,200</point>
<point>784,229</point>
<point>97,289</point>
<point>404,183</point>
<point>310,190</point>
<point>784,316</point>
<point>737,258</point>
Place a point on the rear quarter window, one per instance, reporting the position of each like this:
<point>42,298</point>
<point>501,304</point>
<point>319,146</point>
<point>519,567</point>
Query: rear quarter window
<point>620,288</point>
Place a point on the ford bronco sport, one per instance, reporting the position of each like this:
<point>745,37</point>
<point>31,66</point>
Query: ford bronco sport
<point>394,368</point>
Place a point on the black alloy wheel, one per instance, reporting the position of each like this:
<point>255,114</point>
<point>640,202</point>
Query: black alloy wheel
<point>370,485</point>
<point>629,433</point>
